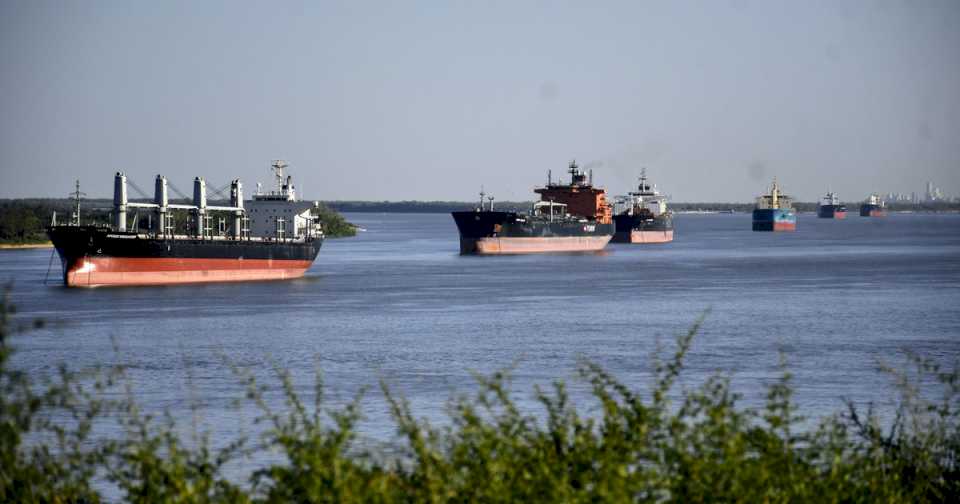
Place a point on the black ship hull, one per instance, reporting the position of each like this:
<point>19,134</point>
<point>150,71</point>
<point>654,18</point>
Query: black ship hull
<point>495,233</point>
<point>832,212</point>
<point>871,210</point>
<point>643,229</point>
<point>96,256</point>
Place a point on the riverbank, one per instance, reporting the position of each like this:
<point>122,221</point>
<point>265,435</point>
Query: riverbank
<point>23,246</point>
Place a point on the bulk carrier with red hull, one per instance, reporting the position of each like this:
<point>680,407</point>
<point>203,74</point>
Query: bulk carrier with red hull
<point>572,217</point>
<point>642,216</point>
<point>273,237</point>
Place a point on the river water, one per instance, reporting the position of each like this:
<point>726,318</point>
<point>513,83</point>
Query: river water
<point>398,304</point>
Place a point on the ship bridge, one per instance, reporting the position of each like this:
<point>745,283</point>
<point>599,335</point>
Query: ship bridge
<point>580,196</point>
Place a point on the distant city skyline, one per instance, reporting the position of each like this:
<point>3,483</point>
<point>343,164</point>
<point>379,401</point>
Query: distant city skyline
<point>430,101</point>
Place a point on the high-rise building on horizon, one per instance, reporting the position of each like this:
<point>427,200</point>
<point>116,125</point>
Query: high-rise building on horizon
<point>934,193</point>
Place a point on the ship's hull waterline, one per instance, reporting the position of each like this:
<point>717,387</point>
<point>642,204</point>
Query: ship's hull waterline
<point>773,219</point>
<point>643,237</point>
<point>831,212</point>
<point>532,245</point>
<point>638,230</point>
<point>868,210</point>
<point>125,271</point>
<point>97,257</point>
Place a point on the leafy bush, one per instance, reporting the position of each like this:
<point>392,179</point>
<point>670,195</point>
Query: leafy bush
<point>334,225</point>
<point>637,447</point>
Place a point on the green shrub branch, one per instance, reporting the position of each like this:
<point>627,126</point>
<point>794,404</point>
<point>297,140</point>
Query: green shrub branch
<point>635,446</point>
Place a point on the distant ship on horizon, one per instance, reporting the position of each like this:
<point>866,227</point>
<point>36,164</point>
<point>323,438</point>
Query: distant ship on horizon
<point>831,208</point>
<point>873,206</point>
<point>642,216</point>
<point>774,211</point>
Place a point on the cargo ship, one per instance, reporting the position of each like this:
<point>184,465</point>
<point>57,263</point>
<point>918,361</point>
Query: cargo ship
<point>572,217</point>
<point>831,208</point>
<point>774,212</point>
<point>642,216</point>
<point>873,207</point>
<point>273,236</point>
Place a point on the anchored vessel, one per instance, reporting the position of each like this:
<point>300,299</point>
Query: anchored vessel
<point>873,207</point>
<point>642,216</point>
<point>831,208</point>
<point>572,217</point>
<point>774,212</point>
<point>274,236</point>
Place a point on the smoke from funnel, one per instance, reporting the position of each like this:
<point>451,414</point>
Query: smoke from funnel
<point>757,170</point>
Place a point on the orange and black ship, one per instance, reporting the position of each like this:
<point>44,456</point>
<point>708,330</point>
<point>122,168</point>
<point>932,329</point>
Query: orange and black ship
<point>272,237</point>
<point>572,217</point>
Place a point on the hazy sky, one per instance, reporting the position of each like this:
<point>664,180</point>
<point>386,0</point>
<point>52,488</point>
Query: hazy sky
<point>429,100</point>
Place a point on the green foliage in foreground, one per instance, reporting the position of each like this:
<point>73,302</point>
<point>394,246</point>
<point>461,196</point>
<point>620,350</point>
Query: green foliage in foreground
<point>635,447</point>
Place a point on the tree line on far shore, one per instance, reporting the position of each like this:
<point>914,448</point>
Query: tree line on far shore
<point>524,206</point>
<point>24,220</point>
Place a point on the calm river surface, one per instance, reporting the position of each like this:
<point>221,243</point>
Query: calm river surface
<point>398,303</point>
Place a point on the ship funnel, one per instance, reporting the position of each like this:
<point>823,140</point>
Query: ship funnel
<point>200,206</point>
<point>236,193</point>
<point>161,199</point>
<point>160,192</point>
<point>236,201</point>
<point>120,201</point>
<point>200,193</point>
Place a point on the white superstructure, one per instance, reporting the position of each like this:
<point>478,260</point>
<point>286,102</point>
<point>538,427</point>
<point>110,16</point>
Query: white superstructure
<point>875,199</point>
<point>647,199</point>
<point>278,214</point>
<point>831,198</point>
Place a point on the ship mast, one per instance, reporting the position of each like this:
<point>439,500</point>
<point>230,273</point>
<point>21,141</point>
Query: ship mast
<point>76,200</point>
<point>278,167</point>
<point>775,194</point>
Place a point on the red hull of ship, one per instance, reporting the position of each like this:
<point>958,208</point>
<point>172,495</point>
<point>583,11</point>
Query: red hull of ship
<point>784,226</point>
<point>523,245</point>
<point>118,271</point>
<point>644,237</point>
<point>840,215</point>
